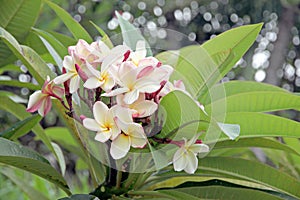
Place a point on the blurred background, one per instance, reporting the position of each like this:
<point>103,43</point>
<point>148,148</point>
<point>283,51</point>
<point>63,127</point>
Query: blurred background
<point>274,57</point>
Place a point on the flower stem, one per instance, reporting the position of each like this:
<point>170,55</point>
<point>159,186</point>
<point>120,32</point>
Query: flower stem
<point>119,178</point>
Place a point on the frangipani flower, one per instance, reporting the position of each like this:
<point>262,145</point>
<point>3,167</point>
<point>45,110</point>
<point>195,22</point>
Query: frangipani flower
<point>41,100</point>
<point>132,83</point>
<point>140,108</point>
<point>104,122</point>
<point>72,74</point>
<point>185,157</point>
<point>132,135</point>
<point>139,53</point>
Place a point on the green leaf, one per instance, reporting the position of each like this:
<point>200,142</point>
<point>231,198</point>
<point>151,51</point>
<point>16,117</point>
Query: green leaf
<point>256,142</point>
<point>131,35</point>
<point>21,128</point>
<point>54,46</point>
<point>260,101</point>
<point>17,17</point>
<point>19,111</point>
<point>64,39</point>
<point>74,27</point>
<point>221,192</point>
<point>104,36</point>
<point>237,40</point>
<point>15,83</point>
<point>263,125</point>
<point>31,192</point>
<point>34,63</point>
<point>18,156</point>
<point>60,158</point>
<point>80,197</point>
<point>10,67</point>
<point>176,114</point>
<point>252,171</point>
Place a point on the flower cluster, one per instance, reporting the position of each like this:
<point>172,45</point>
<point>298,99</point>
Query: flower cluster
<point>131,82</point>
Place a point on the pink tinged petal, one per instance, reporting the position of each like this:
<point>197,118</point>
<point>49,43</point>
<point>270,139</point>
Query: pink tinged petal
<point>120,146</point>
<point>91,124</point>
<point>63,78</point>
<point>92,83</point>
<point>149,61</point>
<point>145,108</point>
<point>145,71</point>
<point>137,135</point>
<point>80,71</point>
<point>147,85</point>
<point>131,96</point>
<point>192,163</point>
<point>199,148</point>
<point>45,107</point>
<point>74,84</point>
<point>57,92</point>
<point>103,136</point>
<point>115,92</point>
<point>100,110</point>
<point>35,101</point>
<point>179,160</point>
<point>69,63</point>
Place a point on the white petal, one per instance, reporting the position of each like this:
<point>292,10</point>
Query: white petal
<point>140,51</point>
<point>108,84</point>
<point>45,107</point>
<point>131,96</point>
<point>93,71</point>
<point>122,113</point>
<point>100,110</point>
<point>74,84</point>
<point>63,78</point>
<point>120,146</point>
<point>147,85</point>
<point>137,135</point>
<point>91,124</point>
<point>103,136</point>
<point>199,148</point>
<point>179,160</point>
<point>68,63</point>
<point>145,108</point>
<point>92,83</point>
<point>115,92</point>
<point>192,163</point>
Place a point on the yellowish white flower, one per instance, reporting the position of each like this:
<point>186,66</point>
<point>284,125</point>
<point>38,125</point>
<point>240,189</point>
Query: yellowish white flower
<point>185,158</point>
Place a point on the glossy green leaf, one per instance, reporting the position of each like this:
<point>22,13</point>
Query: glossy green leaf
<point>10,67</point>
<point>176,114</point>
<point>21,128</point>
<point>18,156</point>
<point>263,125</point>
<point>252,171</point>
<point>238,87</point>
<point>131,35</point>
<point>237,40</point>
<point>256,142</point>
<point>34,63</point>
<point>260,101</point>
<point>19,111</point>
<point>104,36</point>
<point>30,191</point>
<point>16,83</point>
<point>64,39</point>
<point>55,43</point>
<point>74,27</point>
<point>17,17</point>
<point>221,192</point>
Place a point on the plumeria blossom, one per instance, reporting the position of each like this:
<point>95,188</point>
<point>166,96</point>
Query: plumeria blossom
<point>104,78</point>
<point>132,135</point>
<point>132,83</point>
<point>185,158</point>
<point>104,122</point>
<point>71,74</point>
<point>41,100</point>
<point>139,53</point>
<point>140,108</point>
